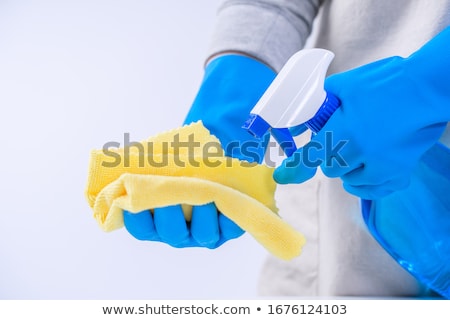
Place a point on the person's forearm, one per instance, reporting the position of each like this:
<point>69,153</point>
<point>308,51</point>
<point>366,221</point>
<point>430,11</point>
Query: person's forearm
<point>267,30</point>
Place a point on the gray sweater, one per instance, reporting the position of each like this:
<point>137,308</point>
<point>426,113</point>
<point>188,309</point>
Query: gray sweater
<point>268,30</point>
<point>356,31</point>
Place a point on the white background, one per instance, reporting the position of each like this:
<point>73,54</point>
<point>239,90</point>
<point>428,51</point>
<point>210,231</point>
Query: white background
<point>74,75</point>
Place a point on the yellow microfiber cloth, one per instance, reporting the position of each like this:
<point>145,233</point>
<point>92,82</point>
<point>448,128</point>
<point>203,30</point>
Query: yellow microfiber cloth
<point>187,166</point>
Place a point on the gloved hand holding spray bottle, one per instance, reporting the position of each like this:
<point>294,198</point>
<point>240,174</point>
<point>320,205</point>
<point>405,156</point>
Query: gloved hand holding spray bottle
<point>391,114</point>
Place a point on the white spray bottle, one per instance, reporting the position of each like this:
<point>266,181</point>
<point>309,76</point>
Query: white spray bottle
<point>295,97</point>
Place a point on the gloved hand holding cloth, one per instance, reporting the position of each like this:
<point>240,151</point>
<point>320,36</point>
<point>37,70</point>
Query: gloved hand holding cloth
<point>232,84</point>
<point>208,200</point>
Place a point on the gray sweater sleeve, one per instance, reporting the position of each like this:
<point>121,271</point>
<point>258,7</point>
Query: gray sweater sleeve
<point>268,30</point>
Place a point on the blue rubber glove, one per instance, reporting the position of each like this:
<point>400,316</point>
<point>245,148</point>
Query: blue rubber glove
<point>231,86</point>
<point>392,111</point>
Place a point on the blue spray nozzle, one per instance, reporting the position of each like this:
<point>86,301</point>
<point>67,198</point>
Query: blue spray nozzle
<point>256,126</point>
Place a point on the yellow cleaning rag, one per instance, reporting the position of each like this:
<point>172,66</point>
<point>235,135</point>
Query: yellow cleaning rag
<point>187,166</point>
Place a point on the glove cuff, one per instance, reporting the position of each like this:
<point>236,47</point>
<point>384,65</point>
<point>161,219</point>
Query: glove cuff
<point>430,66</point>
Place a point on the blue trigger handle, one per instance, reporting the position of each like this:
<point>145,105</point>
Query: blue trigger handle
<point>284,138</point>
